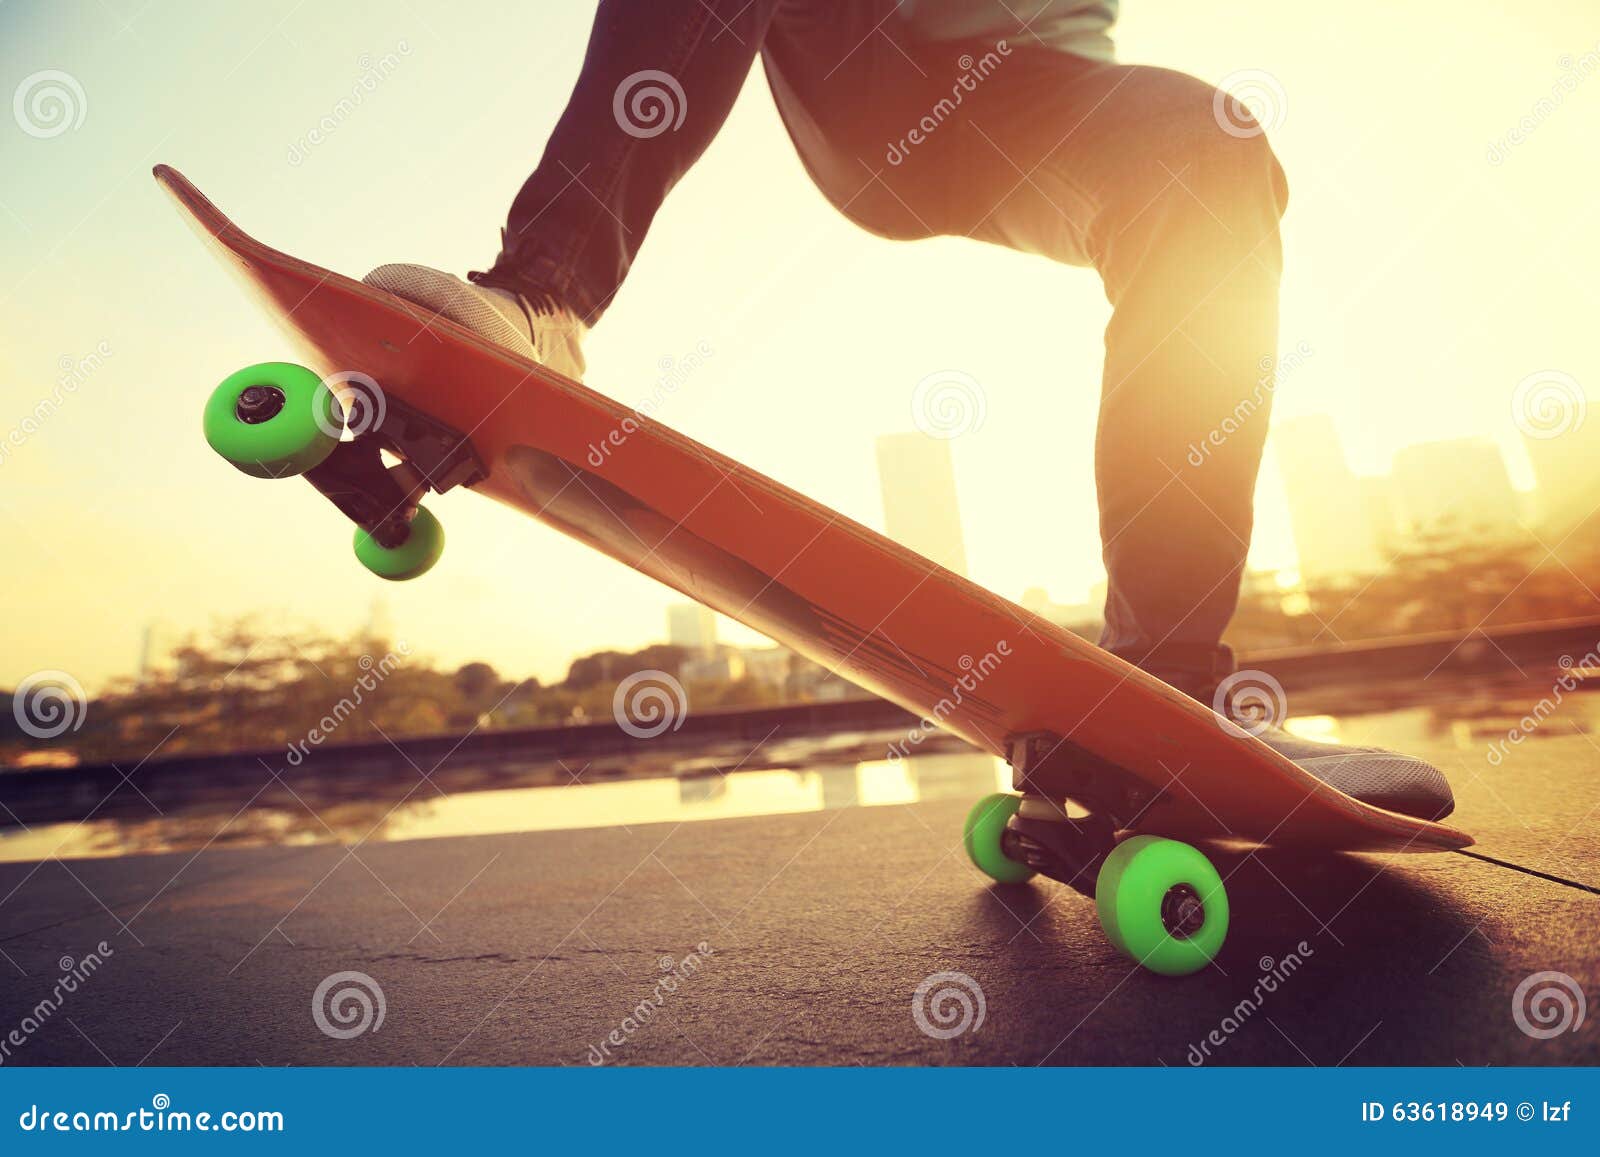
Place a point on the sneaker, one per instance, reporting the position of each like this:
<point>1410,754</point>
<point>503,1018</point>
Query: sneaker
<point>546,332</point>
<point>1386,779</point>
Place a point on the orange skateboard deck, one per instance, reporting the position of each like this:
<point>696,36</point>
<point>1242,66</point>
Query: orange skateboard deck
<point>804,575</point>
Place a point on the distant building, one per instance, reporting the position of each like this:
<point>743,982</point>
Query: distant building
<point>693,627</point>
<point>920,510</point>
<point>1332,533</point>
<point>157,643</point>
<point>1377,503</point>
<point>767,665</point>
<point>724,665</point>
<point>380,622</point>
<point>1566,468</point>
<point>1457,486</point>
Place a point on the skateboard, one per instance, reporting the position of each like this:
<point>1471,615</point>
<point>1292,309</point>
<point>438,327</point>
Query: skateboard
<point>1145,768</point>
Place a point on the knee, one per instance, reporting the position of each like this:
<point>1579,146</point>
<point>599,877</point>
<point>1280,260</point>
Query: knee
<point>1211,144</point>
<point>1223,138</point>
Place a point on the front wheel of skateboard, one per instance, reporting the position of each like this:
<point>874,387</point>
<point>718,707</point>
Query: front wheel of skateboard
<point>986,822</point>
<point>1163,904</point>
<point>413,557</point>
<point>273,420</point>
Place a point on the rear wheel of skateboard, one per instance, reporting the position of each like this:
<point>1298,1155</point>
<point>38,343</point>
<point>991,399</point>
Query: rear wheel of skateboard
<point>273,420</point>
<point>1163,904</point>
<point>986,822</point>
<point>414,556</point>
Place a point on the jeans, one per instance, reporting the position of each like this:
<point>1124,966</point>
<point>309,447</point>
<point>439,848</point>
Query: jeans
<point>1129,169</point>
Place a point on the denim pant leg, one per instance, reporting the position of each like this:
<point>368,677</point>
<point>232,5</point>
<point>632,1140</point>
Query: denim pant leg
<point>1128,169</point>
<point>658,80</point>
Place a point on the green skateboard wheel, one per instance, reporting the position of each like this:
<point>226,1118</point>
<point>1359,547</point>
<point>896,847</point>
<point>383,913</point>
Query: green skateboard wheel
<point>273,420</point>
<point>1163,904</point>
<point>416,555</point>
<point>981,836</point>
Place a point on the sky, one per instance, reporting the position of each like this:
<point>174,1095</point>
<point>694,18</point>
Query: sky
<point>1426,276</point>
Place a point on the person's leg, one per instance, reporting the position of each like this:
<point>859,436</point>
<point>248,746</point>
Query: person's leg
<point>1130,170</point>
<point>1127,169</point>
<point>658,80</point>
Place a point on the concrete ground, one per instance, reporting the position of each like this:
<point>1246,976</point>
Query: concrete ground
<point>818,929</point>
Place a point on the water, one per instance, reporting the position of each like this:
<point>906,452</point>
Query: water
<point>810,775</point>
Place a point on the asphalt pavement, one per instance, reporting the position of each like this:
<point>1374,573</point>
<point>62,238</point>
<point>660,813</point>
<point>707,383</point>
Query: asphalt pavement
<point>804,939</point>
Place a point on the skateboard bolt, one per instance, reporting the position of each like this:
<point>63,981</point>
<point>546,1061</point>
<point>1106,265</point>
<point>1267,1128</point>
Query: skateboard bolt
<point>1182,912</point>
<point>258,404</point>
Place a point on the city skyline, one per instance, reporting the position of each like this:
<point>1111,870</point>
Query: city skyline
<point>818,334</point>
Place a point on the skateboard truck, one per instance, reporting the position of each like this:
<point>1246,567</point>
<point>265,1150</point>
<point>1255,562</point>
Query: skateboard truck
<point>1045,764</point>
<point>1047,769</point>
<point>354,478</point>
<point>277,419</point>
<point>1161,902</point>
